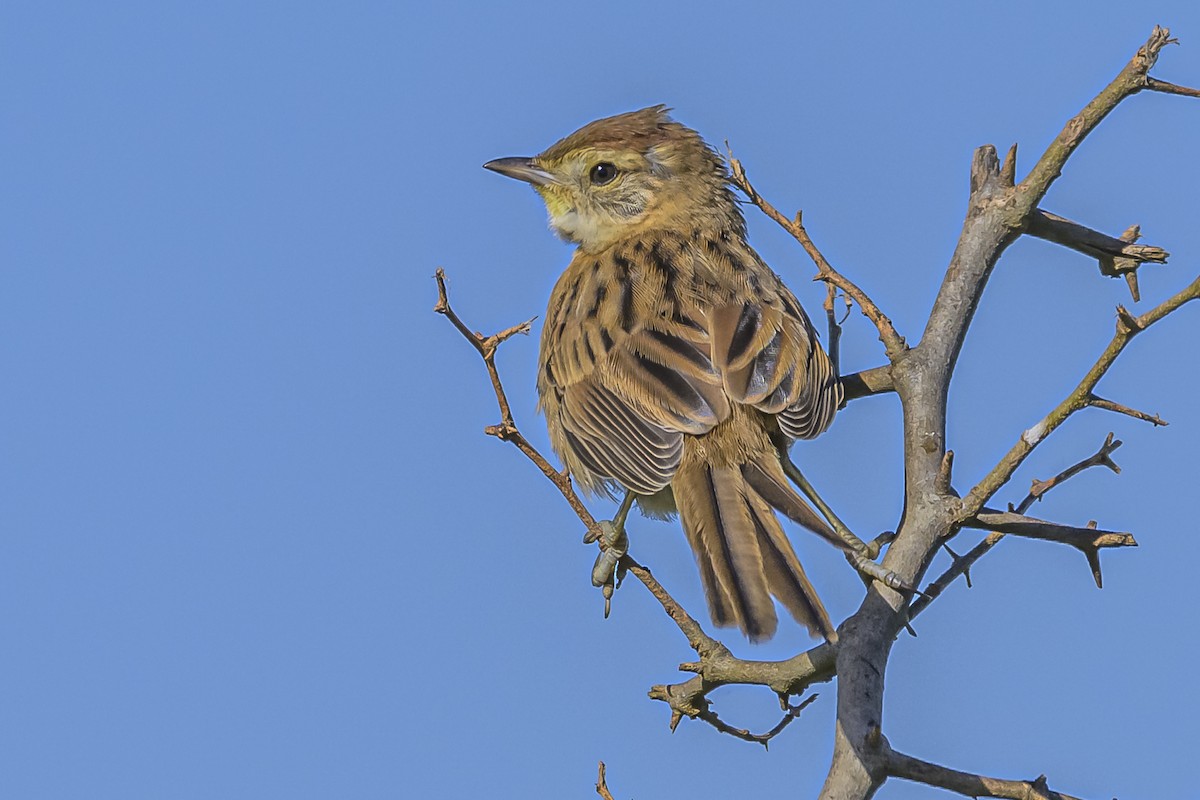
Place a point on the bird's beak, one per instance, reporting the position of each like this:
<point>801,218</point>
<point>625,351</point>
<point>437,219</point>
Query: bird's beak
<point>523,169</point>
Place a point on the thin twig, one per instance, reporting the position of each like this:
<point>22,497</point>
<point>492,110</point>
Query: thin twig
<point>893,342</point>
<point>757,738</point>
<point>1015,524</point>
<point>789,677</point>
<point>484,345</point>
<point>1116,257</point>
<point>1088,540</point>
<point>1109,405</point>
<point>1155,85</point>
<point>507,431</point>
<point>1127,327</point>
<point>1119,265</point>
<point>1062,231</point>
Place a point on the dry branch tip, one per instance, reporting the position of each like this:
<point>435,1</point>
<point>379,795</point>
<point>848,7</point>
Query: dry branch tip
<point>602,784</point>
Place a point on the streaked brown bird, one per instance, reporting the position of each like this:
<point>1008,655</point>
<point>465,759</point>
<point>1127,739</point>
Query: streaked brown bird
<point>674,363</point>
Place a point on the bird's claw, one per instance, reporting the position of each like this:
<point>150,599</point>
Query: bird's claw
<point>606,572</point>
<point>879,573</point>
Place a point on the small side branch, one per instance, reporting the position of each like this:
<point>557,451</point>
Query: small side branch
<point>1128,326</point>
<point>1088,540</point>
<point>484,345</point>
<point>1117,257</point>
<point>1060,230</point>
<point>789,677</point>
<point>1032,528</point>
<point>790,713</point>
<point>877,380</point>
<point>961,565</point>
<point>899,765</point>
<point>1109,405</point>
<point>893,342</point>
<point>1155,85</point>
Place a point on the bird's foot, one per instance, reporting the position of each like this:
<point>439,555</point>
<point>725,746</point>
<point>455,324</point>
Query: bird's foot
<point>614,544</point>
<point>870,569</point>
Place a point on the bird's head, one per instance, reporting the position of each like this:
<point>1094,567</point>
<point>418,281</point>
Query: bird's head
<point>621,175</point>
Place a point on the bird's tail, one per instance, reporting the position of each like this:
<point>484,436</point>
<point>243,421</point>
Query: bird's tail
<point>745,558</point>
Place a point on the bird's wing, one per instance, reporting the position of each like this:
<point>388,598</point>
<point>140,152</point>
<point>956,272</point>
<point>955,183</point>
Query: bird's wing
<point>624,373</point>
<point>655,339</point>
<point>765,346</point>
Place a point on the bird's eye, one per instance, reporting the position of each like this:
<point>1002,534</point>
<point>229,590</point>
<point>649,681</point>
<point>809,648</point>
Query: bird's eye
<point>603,173</point>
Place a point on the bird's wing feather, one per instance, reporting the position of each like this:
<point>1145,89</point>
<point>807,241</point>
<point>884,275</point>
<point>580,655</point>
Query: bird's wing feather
<point>655,339</point>
<point>767,349</point>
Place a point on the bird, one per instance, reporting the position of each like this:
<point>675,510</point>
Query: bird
<point>674,363</point>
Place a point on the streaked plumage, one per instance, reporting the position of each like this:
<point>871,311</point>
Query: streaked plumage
<point>674,362</point>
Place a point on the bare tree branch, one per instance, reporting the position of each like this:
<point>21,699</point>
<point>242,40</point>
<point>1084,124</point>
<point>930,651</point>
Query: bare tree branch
<point>1154,84</point>
<point>961,565</point>
<point>1132,79</point>
<point>789,677</point>
<point>893,342</point>
<point>484,345</point>
<point>1011,522</point>
<point>1128,326</point>
<point>997,214</point>
<point>999,210</point>
<point>903,766</point>
<point>1088,540</point>
<point>1060,230</point>
<point>1117,257</point>
<point>1109,405</point>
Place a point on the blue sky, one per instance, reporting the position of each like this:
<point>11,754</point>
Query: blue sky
<point>253,542</point>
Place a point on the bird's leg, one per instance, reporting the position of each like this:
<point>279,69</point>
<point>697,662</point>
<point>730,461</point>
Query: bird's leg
<point>860,554</point>
<point>853,543</point>
<point>623,511</point>
<point>615,544</point>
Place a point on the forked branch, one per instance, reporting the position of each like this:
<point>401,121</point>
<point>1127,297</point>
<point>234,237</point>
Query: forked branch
<point>1127,327</point>
<point>961,565</point>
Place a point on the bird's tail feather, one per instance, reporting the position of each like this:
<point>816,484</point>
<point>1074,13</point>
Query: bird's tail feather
<point>742,552</point>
